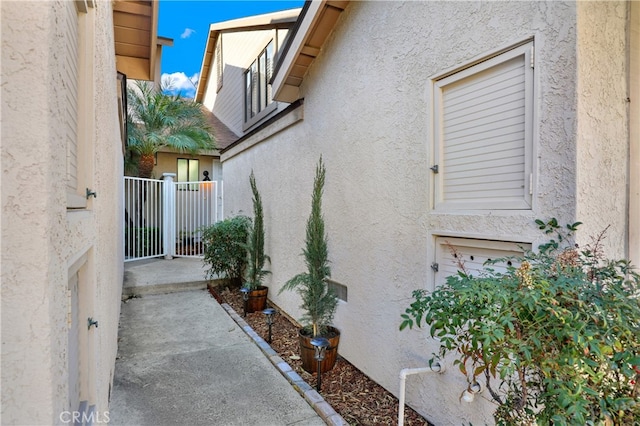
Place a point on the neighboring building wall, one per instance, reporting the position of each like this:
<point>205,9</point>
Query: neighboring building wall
<point>168,163</point>
<point>634,134</point>
<point>239,50</point>
<point>367,108</point>
<point>50,361</point>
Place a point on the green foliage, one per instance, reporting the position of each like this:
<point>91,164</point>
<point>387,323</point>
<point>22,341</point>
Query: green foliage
<point>156,120</point>
<point>255,272</point>
<point>560,333</point>
<point>225,247</point>
<point>142,241</point>
<point>318,300</point>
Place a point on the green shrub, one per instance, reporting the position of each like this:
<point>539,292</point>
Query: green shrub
<point>143,241</point>
<point>557,339</point>
<point>225,247</point>
<point>255,271</point>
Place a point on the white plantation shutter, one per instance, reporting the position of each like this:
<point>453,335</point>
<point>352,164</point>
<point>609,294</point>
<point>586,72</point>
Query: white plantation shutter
<point>484,134</point>
<point>71,92</point>
<point>472,253</point>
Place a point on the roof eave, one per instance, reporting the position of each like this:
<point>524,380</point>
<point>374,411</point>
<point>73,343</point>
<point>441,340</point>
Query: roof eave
<point>136,27</point>
<point>316,22</point>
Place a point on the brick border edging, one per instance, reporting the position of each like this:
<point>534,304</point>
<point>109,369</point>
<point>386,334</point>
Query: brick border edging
<point>313,398</point>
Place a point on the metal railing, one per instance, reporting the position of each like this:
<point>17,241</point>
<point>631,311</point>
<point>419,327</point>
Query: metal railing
<point>165,218</point>
<point>143,219</point>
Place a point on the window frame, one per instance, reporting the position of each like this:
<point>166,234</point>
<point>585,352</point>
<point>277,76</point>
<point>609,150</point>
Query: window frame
<point>193,187</point>
<point>258,99</point>
<point>472,68</point>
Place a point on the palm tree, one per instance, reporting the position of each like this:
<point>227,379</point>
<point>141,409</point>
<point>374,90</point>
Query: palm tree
<point>156,121</point>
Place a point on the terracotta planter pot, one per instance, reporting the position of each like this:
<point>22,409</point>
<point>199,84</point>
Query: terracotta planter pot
<point>307,351</point>
<point>257,299</point>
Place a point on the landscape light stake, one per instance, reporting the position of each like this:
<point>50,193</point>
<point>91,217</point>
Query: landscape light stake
<point>245,298</point>
<point>320,345</point>
<point>269,313</point>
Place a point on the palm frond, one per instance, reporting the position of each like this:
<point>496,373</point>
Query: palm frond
<point>156,121</point>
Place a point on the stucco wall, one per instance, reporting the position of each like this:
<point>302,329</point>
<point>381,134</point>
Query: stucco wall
<point>41,239</point>
<point>602,117</point>
<point>168,163</point>
<point>366,111</point>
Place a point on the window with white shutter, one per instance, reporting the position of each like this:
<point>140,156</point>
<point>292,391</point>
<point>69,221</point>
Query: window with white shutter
<point>472,253</point>
<point>483,134</point>
<point>71,101</point>
<point>77,77</point>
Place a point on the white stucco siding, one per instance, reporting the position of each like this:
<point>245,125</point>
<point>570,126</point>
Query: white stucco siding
<point>367,105</point>
<point>41,239</point>
<point>29,339</point>
<point>380,125</point>
<point>602,114</point>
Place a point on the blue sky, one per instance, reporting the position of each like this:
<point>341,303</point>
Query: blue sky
<point>187,23</point>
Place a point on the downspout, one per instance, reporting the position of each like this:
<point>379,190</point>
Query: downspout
<point>436,367</point>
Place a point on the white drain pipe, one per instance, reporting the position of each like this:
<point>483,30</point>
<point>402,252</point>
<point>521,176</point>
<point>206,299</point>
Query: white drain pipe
<point>436,367</point>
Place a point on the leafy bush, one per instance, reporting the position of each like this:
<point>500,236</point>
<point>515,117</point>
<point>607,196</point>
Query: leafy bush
<point>560,333</point>
<point>225,247</point>
<point>142,241</point>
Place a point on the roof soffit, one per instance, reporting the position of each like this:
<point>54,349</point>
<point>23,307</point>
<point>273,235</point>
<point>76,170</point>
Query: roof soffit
<point>314,27</point>
<point>135,26</point>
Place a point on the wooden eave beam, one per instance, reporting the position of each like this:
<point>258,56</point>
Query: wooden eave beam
<point>206,64</point>
<point>135,38</point>
<point>315,27</point>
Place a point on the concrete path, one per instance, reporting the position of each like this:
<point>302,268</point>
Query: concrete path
<point>183,360</point>
<point>159,276</point>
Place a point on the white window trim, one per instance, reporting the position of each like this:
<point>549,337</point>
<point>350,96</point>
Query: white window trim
<point>260,116</point>
<point>273,105</point>
<point>476,65</point>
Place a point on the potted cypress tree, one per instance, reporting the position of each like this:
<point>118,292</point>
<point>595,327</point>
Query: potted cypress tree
<point>256,258</point>
<point>319,302</point>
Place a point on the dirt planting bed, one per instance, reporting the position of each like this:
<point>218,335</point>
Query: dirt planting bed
<point>357,398</point>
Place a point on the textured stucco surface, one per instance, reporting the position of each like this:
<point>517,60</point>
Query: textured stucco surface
<point>366,111</point>
<point>602,130</point>
<point>41,239</point>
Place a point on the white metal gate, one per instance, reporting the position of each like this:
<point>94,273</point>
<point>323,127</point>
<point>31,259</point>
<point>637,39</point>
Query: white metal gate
<point>165,218</point>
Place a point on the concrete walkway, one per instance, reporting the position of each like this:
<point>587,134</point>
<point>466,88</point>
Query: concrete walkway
<point>182,359</point>
<point>159,276</point>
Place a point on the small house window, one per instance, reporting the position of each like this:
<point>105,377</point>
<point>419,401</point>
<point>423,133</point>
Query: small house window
<point>188,171</point>
<point>257,88</point>
<point>483,132</point>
